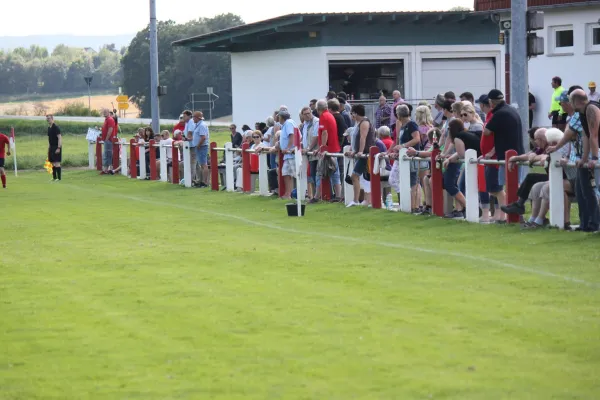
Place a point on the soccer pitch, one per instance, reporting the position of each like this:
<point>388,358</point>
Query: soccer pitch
<point>119,289</point>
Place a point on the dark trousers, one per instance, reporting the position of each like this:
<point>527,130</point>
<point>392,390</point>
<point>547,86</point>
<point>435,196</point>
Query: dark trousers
<point>530,180</point>
<point>589,213</point>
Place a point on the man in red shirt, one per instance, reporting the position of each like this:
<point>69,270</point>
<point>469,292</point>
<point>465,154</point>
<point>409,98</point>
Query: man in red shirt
<point>3,142</point>
<point>108,133</point>
<point>327,136</point>
<point>180,125</point>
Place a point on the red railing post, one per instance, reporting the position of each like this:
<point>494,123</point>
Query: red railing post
<point>116,152</point>
<point>326,181</point>
<point>245,168</point>
<point>99,154</point>
<point>437,190</point>
<point>375,178</point>
<point>280,170</point>
<point>214,167</point>
<point>132,158</point>
<point>175,166</point>
<point>153,174</point>
<point>512,184</point>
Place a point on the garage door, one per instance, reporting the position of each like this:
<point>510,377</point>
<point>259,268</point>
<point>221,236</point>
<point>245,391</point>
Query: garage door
<point>475,75</point>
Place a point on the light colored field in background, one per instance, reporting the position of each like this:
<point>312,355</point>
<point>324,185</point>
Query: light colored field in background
<point>97,102</point>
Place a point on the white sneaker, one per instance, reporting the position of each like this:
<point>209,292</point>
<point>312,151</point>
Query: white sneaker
<point>351,204</point>
<point>364,203</point>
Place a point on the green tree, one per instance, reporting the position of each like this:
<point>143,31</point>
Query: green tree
<point>179,69</point>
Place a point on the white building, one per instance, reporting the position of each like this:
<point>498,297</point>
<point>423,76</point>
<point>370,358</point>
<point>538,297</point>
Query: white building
<point>572,47</point>
<point>295,58</point>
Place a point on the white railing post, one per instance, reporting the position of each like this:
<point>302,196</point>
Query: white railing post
<point>92,155</point>
<point>303,181</point>
<point>142,159</point>
<point>164,169</point>
<point>263,174</point>
<point>229,178</point>
<point>471,186</point>
<point>187,168</point>
<point>348,168</point>
<point>405,195</point>
<point>557,199</point>
<point>124,164</point>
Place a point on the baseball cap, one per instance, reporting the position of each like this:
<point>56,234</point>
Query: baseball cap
<point>592,84</point>
<point>483,99</point>
<point>495,94</point>
<point>563,97</point>
<point>284,114</point>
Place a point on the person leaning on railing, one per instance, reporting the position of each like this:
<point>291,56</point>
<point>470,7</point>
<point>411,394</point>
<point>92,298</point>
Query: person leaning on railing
<point>434,135</point>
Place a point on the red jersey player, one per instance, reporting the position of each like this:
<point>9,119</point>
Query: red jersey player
<point>3,142</point>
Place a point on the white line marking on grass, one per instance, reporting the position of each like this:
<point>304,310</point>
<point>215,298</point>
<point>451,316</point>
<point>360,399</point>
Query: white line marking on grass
<point>356,240</point>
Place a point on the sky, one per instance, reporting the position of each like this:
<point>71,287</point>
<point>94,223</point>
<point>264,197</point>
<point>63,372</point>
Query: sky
<point>88,18</point>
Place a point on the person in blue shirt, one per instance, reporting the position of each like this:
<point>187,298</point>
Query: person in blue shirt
<point>200,140</point>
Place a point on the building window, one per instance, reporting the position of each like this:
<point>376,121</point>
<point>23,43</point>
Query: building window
<point>592,37</point>
<point>561,40</point>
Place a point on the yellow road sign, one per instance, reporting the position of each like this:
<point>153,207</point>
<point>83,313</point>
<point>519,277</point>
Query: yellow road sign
<point>123,106</point>
<point>122,99</point>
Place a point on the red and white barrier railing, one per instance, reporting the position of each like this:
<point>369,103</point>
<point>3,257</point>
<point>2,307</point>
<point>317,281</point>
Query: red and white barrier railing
<point>255,163</point>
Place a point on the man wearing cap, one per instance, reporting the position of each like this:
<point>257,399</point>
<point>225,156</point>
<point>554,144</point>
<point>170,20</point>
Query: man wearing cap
<point>505,125</point>
<point>593,95</point>
<point>557,114</point>
<point>180,126</point>
<point>286,144</point>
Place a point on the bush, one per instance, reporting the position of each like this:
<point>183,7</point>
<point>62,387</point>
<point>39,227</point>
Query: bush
<point>76,109</point>
<point>40,109</point>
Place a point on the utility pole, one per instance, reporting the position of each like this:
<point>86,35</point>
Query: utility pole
<point>519,90</point>
<point>88,80</point>
<point>154,69</point>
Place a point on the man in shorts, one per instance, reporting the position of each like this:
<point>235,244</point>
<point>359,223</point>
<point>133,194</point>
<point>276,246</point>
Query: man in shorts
<point>286,144</point>
<point>55,148</point>
<point>4,142</point>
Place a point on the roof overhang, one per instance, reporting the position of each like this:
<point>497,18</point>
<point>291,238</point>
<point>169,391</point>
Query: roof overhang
<point>294,25</point>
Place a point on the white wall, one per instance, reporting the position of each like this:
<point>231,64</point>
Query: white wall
<point>264,80</point>
<point>576,69</point>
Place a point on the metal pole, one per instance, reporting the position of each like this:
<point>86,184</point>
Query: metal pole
<point>210,105</point>
<point>154,69</point>
<point>89,96</point>
<point>518,65</point>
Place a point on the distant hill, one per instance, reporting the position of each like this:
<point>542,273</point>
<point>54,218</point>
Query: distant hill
<point>51,41</point>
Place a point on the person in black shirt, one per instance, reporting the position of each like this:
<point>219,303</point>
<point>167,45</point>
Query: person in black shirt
<point>506,126</point>
<point>54,148</point>
<point>531,108</point>
<point>462,141</point>
<point>236,137</point>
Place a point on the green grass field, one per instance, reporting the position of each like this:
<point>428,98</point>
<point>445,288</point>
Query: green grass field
<point>120,289</point>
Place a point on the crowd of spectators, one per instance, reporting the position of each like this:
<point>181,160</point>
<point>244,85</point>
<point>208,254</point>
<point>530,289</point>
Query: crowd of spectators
<point>489,125</point>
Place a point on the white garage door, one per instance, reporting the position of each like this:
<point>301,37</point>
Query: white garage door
<point>475,75</point>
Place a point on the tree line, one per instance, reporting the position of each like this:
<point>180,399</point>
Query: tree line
<point>35,70</point>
